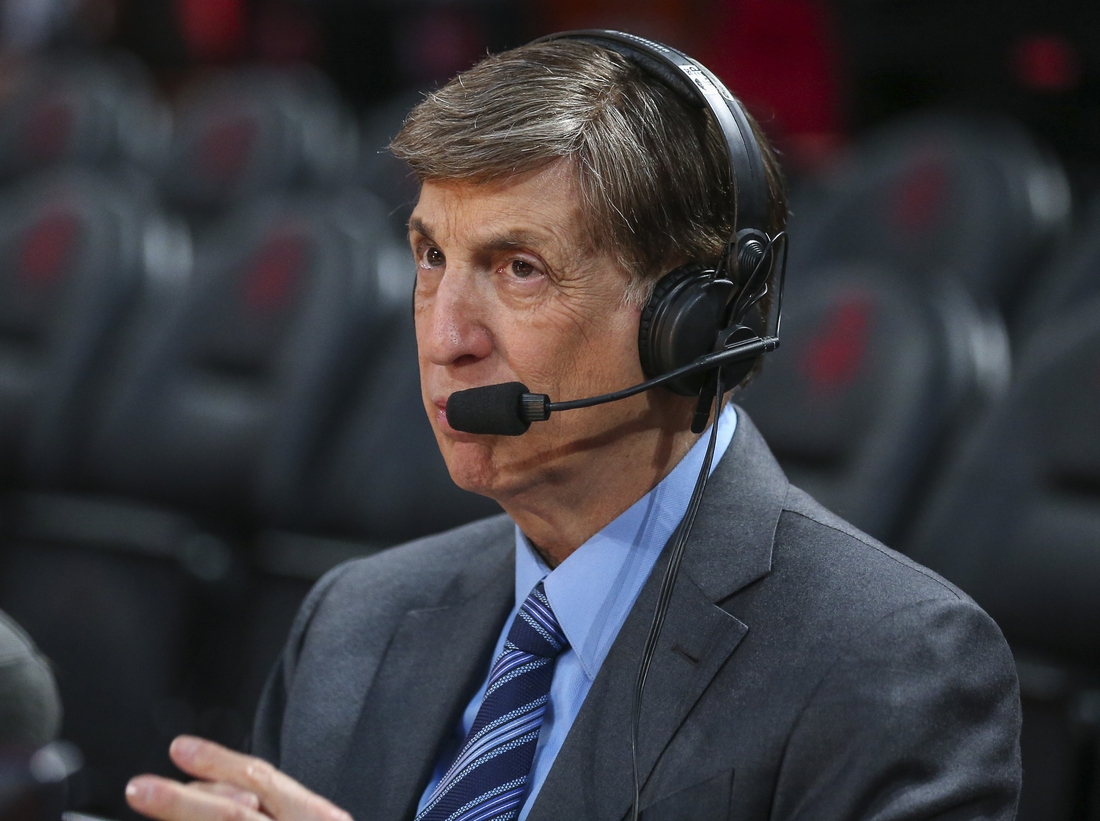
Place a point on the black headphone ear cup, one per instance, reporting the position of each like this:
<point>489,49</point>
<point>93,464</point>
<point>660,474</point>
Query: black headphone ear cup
<point>681,322</point>
<point>648,345</point>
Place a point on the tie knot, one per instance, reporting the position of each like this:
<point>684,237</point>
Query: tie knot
<point>536,629</point>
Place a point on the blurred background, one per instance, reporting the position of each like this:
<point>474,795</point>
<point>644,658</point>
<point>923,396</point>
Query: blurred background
<point>208,391</point>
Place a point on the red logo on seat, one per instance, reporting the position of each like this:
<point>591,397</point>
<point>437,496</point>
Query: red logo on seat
<point>837,351</point>
<point>224,151</point>
<point>47,131</point>
<point>46,249</point>
<point>920,195</point>
<point>272,272</point>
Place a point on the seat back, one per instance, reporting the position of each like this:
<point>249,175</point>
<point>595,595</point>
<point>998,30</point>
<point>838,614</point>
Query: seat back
<point>935,194</point>
<point>1016,523</point>
<point>379,170</point>
<point>253,131</point>
<point>381,476</point>
<point>75,252</point>
<point>871,375</point>
<point>99,113</point>
<point>1072,277</point>
<point>221,399</point>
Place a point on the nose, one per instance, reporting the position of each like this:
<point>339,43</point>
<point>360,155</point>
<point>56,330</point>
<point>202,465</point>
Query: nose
<point>451,321</point>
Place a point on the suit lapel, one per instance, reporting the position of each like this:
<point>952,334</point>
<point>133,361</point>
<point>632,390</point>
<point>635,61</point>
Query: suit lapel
<point>730,547</point>
<point>434,661</point>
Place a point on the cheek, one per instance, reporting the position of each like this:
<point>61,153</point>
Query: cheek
<point>569,361</point>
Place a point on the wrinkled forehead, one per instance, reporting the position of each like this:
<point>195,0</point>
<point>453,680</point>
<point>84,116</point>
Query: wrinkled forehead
<point>542,207</point>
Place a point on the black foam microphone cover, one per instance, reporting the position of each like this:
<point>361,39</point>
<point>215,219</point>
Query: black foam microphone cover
<point>491,409</point>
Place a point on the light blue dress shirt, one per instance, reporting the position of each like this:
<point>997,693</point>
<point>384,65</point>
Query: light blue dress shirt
<point>591,593</point>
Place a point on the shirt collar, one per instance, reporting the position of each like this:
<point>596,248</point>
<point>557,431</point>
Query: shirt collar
<point>592,591</point>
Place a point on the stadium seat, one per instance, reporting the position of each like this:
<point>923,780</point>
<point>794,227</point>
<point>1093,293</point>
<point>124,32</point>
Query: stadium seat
<point>254,131</point>
<point>1016,523</point>
<point>113,594</point>
<point>224,398</point>
<point>137,586</point>
<point>76,251</point>
<point>935,194</point>
<point>105,594</point>
<point>379,480</point>
<point>379,170</point>
<point>101,113</point>
<point>872,375</point>
<point>1069,277</point>
<point>381,476</point>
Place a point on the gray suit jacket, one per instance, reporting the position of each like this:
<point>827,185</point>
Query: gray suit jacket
<point>805,672</point>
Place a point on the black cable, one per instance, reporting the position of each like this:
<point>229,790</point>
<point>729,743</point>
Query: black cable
<point>664,598</point>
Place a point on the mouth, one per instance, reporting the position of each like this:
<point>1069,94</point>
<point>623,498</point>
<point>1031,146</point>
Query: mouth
<point>441,410</point>
<point>444,426</point>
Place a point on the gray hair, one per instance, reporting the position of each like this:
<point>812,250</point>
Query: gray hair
<point>652,171</point>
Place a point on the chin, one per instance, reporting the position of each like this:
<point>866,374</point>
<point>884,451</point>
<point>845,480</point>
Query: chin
<point>471,466</point>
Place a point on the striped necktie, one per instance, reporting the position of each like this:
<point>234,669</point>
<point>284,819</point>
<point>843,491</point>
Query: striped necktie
<point>488,779</point>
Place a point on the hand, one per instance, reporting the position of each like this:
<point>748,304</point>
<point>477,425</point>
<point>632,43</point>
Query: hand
<point>232,787</point>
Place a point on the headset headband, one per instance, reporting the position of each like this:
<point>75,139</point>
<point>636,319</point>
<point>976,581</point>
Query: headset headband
<point>697,86</point>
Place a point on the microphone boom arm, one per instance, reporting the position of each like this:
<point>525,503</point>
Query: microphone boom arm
<point>537,407</point>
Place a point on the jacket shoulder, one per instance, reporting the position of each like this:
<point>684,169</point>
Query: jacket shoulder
<point>900,666</point>
<point>834,550</point>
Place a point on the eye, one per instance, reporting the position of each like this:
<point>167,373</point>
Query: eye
<point>521,269</point>
<point>431,257</point>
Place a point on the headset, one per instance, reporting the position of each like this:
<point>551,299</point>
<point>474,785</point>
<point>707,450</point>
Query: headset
<point>692,337</point>
<point>691,307</point>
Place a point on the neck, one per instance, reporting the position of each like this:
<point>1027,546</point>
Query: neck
<point>560,515</point>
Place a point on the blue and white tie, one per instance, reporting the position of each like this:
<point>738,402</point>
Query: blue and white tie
<point>488,779</point>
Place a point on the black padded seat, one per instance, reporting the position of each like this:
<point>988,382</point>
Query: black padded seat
<point>379,170</point>
<point>1016,523</point>
<point>379,480</point>
<point>114,594</point>
<point>251,131</point>
<point>873,373</point>
<point>381,477</point>
<point>221,400</point>
<point>76,249</point>
<point>935,194</point>
<point>102,112</point>
<point>1072,276</point>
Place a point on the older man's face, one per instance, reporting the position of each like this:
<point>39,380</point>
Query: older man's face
<point>508,290</point>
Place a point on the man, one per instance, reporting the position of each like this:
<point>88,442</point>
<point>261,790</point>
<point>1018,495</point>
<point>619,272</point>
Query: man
<point>804,671</point>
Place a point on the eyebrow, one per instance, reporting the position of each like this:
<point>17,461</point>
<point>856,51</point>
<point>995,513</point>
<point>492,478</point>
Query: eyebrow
<point>505,242</point>
<point>417,224</point>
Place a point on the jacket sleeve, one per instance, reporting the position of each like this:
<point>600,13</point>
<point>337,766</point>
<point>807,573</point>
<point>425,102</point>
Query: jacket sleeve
<point>920,719</point>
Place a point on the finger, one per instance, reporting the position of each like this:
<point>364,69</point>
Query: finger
<point>242,797</point>
<point>167,800</point>
<point>280,795</point>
